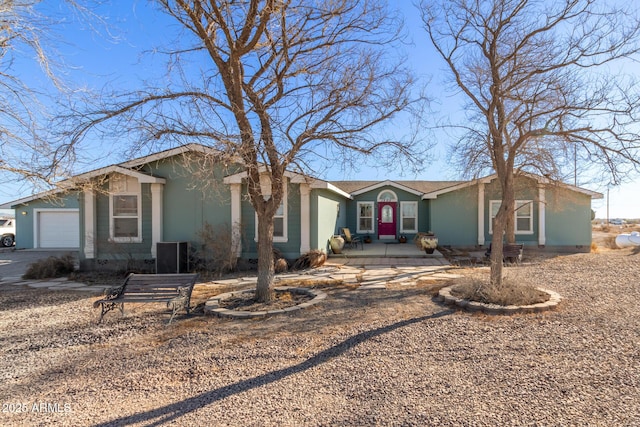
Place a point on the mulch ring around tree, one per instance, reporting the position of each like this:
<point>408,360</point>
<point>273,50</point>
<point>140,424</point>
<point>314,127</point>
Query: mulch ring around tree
<point>243,304</point>
<point>246,301</point>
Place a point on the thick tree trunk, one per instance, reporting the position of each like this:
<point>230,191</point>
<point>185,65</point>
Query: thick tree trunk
<point>510,225</point>
<point>266,270</point>
<point>500,226</point>
<point>497,249</point>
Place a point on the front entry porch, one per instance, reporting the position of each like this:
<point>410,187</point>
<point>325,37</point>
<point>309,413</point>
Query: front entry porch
<point>390,255</point>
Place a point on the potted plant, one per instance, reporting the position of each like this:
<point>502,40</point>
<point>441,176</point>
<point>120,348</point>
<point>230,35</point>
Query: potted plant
<point>402,238</point>
<point>426,241</point>
<point>367,239</point>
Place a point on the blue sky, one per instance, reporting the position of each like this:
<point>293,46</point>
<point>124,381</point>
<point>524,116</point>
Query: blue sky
<point>95,60</point>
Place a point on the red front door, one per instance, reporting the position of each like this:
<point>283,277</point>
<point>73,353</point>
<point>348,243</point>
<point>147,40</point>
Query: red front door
<point>387,220</point>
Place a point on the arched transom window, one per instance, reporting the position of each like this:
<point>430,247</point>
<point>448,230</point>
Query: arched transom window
<point>387,196</point>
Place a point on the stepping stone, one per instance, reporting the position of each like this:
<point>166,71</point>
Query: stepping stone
<point>68,285</point>
<point>225,282</point>
<point>366,287</point>
<point>446,276</point>
<point>41,284</point>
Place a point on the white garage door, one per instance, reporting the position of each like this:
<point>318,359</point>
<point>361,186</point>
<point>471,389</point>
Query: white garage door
<point>58,229</point>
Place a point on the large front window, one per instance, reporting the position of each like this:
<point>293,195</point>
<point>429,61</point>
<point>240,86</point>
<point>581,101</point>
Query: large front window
<point>523,215</point>
<point>365,217</point>
<point>125,209</point>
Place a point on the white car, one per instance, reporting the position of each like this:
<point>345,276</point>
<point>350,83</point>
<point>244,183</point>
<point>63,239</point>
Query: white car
<point>7,231</point>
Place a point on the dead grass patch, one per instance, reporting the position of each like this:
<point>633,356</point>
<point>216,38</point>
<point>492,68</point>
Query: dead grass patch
<point>281,299</point>
<point>610,242</point>
<point>432,286</point>
<point>477,288</point>
<point>311,283</point>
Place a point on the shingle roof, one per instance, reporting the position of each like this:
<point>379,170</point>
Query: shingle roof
<point>420,186</point>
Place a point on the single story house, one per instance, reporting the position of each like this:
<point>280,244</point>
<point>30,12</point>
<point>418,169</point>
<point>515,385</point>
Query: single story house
<point>124,211</point>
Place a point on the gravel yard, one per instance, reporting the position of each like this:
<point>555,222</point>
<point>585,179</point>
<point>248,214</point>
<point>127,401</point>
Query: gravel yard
<point>374,357</point>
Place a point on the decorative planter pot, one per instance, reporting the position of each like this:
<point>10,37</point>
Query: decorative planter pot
<point>402,239</point>
<point>367,239</point>
<point>336,243</point>
<point>427,242</point>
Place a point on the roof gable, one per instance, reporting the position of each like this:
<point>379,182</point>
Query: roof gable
<point>489,178</point>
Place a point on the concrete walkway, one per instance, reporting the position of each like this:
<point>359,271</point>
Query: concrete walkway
<point>375,266</point>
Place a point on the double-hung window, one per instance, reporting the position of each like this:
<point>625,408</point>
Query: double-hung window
<point>523,215</point>
<point>280,227</point>
<point>408,217</point>
<point>124,207</point>
<point>365,217</point>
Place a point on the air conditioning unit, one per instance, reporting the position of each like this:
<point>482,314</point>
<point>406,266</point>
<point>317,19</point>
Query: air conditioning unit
<point>172,257</point>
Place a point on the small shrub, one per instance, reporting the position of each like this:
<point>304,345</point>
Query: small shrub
<point>280,265</point>
<point>594,248</point>
<point>479,289</point>
<point>610,242</point>
<point>217,251</point>
<point>311,259</point>
<point>50,268</point>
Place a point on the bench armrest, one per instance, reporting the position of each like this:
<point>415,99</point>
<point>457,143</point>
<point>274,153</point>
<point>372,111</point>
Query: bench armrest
<point>114,292</point>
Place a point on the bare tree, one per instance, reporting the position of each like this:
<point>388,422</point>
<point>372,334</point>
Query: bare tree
<point>27,154</point>
<point>276,84</point>
<point>541,84</point>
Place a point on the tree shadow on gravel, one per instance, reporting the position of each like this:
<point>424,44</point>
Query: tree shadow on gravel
<point>175,410</point>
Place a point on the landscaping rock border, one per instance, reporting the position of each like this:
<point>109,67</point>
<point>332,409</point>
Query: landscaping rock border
<point>444,295</point>
<point>212,306</point>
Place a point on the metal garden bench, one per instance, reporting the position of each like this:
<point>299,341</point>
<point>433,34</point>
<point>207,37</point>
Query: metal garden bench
<point>172,289</point>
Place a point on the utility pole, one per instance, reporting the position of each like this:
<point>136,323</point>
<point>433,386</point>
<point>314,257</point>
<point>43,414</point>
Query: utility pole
<point>607,205</point>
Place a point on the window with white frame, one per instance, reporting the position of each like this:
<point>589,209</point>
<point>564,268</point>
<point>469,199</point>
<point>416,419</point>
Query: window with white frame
<point>408,217</point>
<point>523,215</point>
<point>365,217</point>
<point>124,204</point>
<point>280,218</point>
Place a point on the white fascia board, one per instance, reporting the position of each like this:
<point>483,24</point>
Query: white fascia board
<point>294,177</point>
<point>10,205</point>
<point>435,194</point>
<point>387,183</point>
<point>143,178</point>
<point>489,178</point>
<point>37,196</point>
<point>324,185</point>
<point>544,180</point>
<point>198,148</point>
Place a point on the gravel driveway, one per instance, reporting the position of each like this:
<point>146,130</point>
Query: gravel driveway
<point>376,357</point>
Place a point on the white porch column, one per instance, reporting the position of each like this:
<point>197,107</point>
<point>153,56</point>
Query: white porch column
<point>157,220</point>
<point>305,218</point>
<point>542,221</point>
<point>480,213</point>
<point>89,224</point>
<point>236,217</point>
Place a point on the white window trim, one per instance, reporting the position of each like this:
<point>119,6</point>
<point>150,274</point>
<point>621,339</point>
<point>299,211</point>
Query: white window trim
<point>138,194</point>
<point>402,229</point>
<point>515,217</point>
<point>285,215</point>
<point>373,218</point>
